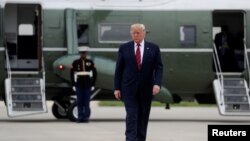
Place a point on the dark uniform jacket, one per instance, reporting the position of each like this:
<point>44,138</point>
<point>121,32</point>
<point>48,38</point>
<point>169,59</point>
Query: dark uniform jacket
<point>85,80</point>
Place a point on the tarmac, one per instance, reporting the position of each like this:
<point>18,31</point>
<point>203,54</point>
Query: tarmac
<point>108,124</point>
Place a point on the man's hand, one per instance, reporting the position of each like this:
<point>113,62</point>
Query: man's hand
<point>117,94</point>
<point>74,88</point>
<point>156,89</point>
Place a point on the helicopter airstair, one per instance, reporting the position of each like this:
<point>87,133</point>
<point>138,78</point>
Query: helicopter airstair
<point>231,89</point>
<point>24,91</point>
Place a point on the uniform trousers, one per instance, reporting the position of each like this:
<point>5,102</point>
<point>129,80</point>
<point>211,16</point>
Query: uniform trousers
<point>83,103</point>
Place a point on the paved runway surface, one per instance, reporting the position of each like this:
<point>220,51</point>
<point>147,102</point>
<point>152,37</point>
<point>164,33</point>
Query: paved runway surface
<point>107,124</point>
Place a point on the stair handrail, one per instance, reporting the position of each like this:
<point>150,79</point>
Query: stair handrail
<point>247,64</point>
<point>219,73</point>
<point>8,63</point>
<point>43,71</point>
<point>8,70</point>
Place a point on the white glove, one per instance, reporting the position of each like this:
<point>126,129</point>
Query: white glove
<point>92,88</point>
<point>74,88</point>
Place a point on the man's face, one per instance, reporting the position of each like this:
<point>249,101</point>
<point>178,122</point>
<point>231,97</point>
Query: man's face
<point>83,55</point>
<point>137,35</point>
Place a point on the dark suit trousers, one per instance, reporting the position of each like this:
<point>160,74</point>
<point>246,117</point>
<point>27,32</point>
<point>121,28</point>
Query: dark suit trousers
<point>138,110</point>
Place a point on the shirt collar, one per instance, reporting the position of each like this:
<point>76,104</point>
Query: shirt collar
<point>141,43</point>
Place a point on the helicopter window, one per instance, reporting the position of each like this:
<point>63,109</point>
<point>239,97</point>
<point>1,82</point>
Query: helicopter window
<point>188,35</point>
<point>82,34</point>
<point>114,32</point>
<point>26,29</point>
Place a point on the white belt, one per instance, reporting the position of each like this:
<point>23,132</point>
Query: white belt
<point>83,73</point>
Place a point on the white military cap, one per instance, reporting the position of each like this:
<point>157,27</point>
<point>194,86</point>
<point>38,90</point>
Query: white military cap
<point>83,48</point>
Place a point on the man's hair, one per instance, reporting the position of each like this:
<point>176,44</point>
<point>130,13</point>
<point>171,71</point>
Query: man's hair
<point>136,26</point>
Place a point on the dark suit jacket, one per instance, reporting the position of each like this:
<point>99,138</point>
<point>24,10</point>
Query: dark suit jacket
<point>218,40</point>
<point>128,79</point>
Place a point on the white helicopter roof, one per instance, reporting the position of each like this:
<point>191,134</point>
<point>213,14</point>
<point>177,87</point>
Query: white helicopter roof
<point>139,4</point>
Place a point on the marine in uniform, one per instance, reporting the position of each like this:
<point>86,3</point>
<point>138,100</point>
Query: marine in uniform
<point>83,77</point>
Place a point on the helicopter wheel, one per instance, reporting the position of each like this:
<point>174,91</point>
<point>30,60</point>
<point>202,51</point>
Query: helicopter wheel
<point>58,112</point>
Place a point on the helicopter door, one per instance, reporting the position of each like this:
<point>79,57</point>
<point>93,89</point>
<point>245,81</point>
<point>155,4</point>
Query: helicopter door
<point>231,52</point>
<point>22,23</point>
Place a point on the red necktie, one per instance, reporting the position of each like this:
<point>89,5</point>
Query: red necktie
<point>138,56</point>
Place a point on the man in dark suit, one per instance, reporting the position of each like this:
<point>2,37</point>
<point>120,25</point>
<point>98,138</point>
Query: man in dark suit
<point>138,77</point>
<point>224,45</point>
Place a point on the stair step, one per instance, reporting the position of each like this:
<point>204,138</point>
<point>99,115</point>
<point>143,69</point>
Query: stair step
<point>25,72</point>
<point>234,87</point>
<point>25,89</point>
<point>236,95</point>
<point>234,82</point>
<point>229,75</point>
<point>235,91</point>
<point>31,85</point>
<point>237,107</point>
<point>235,99</point>
<point>23,94</point>
<point>236,102</point>
<point>25,81</point>
<point>26,100</point>
<point>27,106</point>
<point>25,86</point>
<point>24,97</point>
<point>238,111</point>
